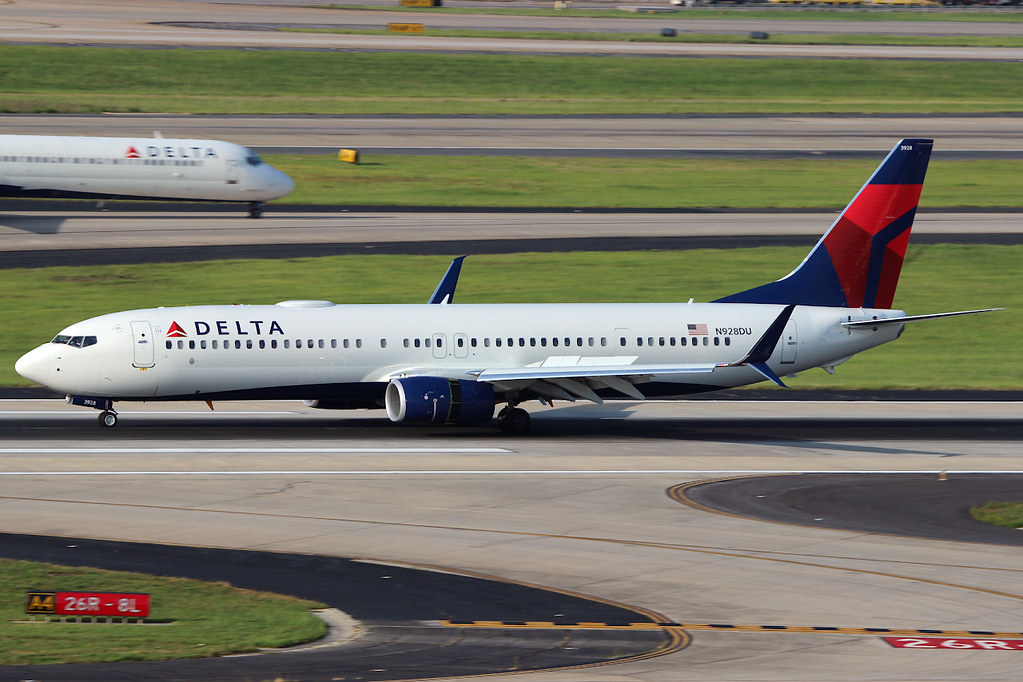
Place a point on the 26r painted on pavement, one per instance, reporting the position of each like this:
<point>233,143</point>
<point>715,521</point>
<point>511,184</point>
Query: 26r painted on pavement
<point>957,643</point>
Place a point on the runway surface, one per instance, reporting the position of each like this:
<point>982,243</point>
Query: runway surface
<point>170,23</point>
<point>41,239</point>
<point>579,505</point>
<point>765,136</point>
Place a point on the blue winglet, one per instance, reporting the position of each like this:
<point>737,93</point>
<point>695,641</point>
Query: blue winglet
<point>763,349</point>
<point>445,291</point>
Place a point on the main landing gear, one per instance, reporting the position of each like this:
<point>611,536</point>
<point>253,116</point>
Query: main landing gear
<point>107,418</point>
<point>513,420</point>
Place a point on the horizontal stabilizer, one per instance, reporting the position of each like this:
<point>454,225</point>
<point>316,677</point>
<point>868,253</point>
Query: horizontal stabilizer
<point>914,318</point>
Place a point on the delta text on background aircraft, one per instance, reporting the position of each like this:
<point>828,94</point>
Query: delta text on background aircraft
<point>137,168</point>
<point>452,363</point>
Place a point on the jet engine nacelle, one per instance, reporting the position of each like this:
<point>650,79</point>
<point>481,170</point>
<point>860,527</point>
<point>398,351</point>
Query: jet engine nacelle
<point>436,400</point>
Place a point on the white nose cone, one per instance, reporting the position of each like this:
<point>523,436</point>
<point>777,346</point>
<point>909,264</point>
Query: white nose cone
<point>282,184</point>
<point>35,365</point>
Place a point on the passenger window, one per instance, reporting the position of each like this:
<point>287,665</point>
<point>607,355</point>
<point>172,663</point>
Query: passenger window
<point>603,340</point>
<point>319,343</point>
<point>543,341</point>
<point>345,343</point>
<point>287,343</point>
<point>717,340</point>
<point>522,342</point>
<point>416,342</point>
<point>298,343</point>
<point>358,343</point>
<point>426,342</point>
<point>169,344</point>
<point>262,343</point>
<point>191,345</point>
<point>237,344</point>
<point>248,343</point>
<point>660,341</point>
<point>706,341</point>
<point>532,341</point>
<point>497,342</point>
<point>639,340</point>
<point>621,342</point>
<point>333,343</point>
<point>181,344</point>
<point>682,341</point>
<point>472,342</point>
<point>202,344</point>
<point>405,343</point>
<point>554,341</point>
<point>213,344</point>
<point>461,342</point>
<point>671,340</point>
<point>310,342</point>
<point>728,341</point>
<point>383,343</point>
<point>273,343</point>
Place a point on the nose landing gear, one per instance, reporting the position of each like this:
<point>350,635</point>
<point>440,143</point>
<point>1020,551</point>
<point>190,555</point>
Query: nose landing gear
<point>255,209</point>
<point>107,418</point>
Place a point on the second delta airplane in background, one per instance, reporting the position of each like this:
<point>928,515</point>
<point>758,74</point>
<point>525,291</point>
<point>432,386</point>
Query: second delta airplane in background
<point>444,363</point>
<point>137,168</point>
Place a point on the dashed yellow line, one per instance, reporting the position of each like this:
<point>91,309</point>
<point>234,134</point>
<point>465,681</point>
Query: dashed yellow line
<point>803,629</point>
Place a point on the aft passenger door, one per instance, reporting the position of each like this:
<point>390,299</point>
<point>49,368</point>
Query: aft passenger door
<point>789,343</point>
<point>142,339</point>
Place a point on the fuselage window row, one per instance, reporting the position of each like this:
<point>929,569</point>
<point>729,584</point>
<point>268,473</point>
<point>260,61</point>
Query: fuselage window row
<point>424,343</point>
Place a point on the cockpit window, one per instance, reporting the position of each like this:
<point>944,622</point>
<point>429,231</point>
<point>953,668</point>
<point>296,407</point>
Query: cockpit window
<point>76,341</point>
<point>253,158</point>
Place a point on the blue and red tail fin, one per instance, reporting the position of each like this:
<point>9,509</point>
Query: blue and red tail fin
<point>858,260</point>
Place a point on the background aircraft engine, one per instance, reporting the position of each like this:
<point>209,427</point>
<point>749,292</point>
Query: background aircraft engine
<point>436,400</point>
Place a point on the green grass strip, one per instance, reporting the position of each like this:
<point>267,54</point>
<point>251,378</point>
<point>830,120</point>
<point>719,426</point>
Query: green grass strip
<point>1000,514</point>
<point>654,36</point>
<point>88,80</point>
<point>967,353</point>
<point>384,180</point>
<point>210,619</point>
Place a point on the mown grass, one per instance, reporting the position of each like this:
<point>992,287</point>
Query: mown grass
<point>739,13</point>
<point>717,38</point>
<point>967,353</point>
<point>210,619</point>
<point>88,80</point>
<point>621,183</point>
<point>1008,514</point>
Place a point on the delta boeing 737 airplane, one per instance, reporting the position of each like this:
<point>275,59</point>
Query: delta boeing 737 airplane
<point>137,168</point>
<point>446,363</point>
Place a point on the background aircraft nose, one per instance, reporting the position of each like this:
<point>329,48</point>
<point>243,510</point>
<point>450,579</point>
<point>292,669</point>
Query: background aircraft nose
<point>282,183</point>
<point>35,365</point>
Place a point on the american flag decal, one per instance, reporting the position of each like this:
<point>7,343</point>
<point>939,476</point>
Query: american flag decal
<point>697,329</point>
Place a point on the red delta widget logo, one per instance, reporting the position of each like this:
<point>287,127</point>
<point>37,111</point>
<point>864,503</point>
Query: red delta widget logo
<point>227,327</point>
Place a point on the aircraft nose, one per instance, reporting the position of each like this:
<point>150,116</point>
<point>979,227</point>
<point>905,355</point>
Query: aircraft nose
<point>35,365</point>
<point>284,184</point>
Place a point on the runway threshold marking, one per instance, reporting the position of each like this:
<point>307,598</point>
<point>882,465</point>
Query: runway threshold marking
<point>801,629</point>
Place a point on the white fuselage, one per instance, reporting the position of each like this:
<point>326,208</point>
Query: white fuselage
<point>322,351</point>
<point>210,170</point>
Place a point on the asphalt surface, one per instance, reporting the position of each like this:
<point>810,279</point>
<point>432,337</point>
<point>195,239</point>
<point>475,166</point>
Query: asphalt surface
<point>916,505</point>
<point>393,602</point>
<point>172,24</point>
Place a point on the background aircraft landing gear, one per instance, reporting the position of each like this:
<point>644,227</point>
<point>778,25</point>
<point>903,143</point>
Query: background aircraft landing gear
<point>107,418</point>
<point>255,209</point>
<point>513,420</point>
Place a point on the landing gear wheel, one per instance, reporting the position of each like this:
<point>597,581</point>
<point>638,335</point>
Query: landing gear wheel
<point>256,209</point>
<point>108,419</point>
<point>514,421</point>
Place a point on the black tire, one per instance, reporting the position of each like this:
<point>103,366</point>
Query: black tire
<point>516,422</point>
<point>256,209</point>
<point>107,419</point>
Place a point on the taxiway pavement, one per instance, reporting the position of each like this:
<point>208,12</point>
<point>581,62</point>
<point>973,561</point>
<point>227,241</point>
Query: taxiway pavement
<point>580,505</point>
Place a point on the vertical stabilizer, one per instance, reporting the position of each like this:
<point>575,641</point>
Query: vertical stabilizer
<point>858,260</point>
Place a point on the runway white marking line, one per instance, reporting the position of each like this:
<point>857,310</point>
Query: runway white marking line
<point>255,451</point>
<point>489,472</point>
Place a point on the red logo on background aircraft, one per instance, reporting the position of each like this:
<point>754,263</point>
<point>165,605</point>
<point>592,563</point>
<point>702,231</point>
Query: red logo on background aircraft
<point>132,153</point>
<point>176,330</point>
